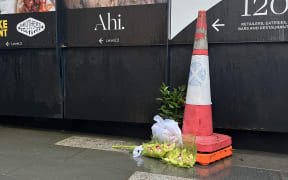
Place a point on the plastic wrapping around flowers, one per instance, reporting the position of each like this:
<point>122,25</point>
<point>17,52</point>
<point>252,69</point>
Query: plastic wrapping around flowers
<point>169,146</point>
<point>182,157</point>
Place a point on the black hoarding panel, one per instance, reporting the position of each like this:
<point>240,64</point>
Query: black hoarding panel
<point>248,84</point>
<point>27,24</point>
<point>117,84</point>
<point>117,26</point>
<point>30,83</point>
<point>234,21</point>
<point>180,62</point>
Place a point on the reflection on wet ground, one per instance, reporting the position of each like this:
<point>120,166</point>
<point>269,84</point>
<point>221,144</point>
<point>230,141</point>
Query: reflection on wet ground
<point>223,169</point>
<point>218,170</point>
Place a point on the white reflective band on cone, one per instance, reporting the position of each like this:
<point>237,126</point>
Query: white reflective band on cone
<point>198,91</point>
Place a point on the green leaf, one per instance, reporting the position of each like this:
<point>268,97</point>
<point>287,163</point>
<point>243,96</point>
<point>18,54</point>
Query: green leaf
<point>171,106</point>
<point>182,88</point>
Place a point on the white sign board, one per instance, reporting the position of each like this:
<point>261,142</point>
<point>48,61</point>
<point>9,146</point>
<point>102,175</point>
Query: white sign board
<point>184,12</point>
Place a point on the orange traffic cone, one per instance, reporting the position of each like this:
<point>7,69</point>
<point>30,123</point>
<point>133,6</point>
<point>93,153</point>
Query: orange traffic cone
<point>198,113</point>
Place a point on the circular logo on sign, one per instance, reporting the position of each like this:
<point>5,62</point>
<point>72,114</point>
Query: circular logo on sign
<point>198,74</point>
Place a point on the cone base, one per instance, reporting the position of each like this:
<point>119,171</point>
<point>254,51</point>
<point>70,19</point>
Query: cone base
<point>212,143</point>
<point>208,158</point>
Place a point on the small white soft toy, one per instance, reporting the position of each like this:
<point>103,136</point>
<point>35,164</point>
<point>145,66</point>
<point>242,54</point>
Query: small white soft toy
<point>137,151</point>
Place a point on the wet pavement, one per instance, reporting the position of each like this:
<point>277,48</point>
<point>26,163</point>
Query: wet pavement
<point>34,154</point>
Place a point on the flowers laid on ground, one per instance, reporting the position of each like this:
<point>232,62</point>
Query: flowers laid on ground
<point>182,157</point>
<point>171,147</point>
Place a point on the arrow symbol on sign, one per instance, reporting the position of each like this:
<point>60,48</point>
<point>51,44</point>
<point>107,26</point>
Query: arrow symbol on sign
<point>101,40</point>
<point>215,25</point>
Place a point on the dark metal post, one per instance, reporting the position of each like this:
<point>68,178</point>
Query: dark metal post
<point>59,44</point>
<point>169,83</point>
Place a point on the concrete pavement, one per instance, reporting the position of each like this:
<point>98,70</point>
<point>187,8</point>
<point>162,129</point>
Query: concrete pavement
<point>33,154</point>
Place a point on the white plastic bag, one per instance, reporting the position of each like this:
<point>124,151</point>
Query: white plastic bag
<point>166,131</point>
